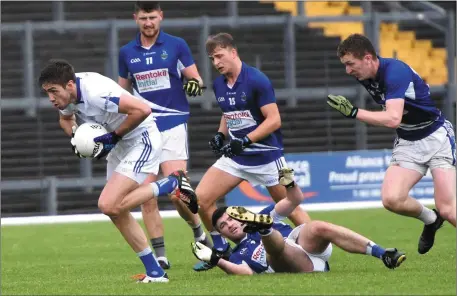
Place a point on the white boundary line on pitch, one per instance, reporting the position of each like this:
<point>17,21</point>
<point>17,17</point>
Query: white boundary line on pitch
<point>333,206</point>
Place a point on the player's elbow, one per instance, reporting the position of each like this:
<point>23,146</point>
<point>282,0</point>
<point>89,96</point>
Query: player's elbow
<point>144,111</point>
<point>394,122</point>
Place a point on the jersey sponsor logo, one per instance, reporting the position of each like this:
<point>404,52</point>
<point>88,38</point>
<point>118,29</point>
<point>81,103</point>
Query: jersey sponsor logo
<point>221,99</point>
<point>133,61</point>
<point>152,80</point>
<point>259,255</point>
<point>237,120</point>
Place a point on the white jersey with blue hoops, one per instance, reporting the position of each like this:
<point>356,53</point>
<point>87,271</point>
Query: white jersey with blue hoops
<point>156,76</point>
<point>241,105</point>
<point>397,80</point>
<point>98,101</point>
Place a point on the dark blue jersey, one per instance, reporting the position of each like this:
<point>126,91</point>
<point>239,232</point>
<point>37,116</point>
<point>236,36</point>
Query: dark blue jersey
<point>156,76</point>
<point>397,80</point>
<point>241,106</point>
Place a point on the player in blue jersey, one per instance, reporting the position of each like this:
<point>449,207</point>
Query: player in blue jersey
<point>425,139</point>
<point>251,123</point>
<point>154,65</point>
<point>273,246</point>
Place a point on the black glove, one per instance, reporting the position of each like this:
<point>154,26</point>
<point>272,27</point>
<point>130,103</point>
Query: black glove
<point>217,142</point>
<point>235,147</point>
<point>193,88</point>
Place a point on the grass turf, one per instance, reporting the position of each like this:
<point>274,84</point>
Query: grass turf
<point>93,259</point>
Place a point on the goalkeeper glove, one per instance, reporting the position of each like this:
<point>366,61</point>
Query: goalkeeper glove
<point>206,254</point>
<point>286,177</point>
<point>193,88</point>
<point>343,105</point>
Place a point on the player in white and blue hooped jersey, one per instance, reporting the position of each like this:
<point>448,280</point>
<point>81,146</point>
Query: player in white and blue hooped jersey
<point>425,139</point>
<point>251,123</point>
<point>154,65</point>
<point>264,244</point>
<point>132,145</point>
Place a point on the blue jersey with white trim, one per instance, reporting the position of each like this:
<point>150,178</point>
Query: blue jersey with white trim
<point>241,107</point>
<point>251,251</point>
<point>98,101</point>
<point>156,76</point>
<point>397,80</point>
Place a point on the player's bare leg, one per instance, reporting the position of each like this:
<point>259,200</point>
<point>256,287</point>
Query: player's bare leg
<point>154,226</point>
<point>397,183</point>
<point>298,215</point>
<point>315,237</point>
<point>214,184</point>
<point>445,193</point>
<point>117,187</point>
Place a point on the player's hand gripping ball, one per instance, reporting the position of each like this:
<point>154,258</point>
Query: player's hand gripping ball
<point>83,139</point>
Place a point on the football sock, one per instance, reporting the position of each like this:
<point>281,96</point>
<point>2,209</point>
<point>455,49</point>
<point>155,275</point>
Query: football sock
<point>164,186</point>
<point>427,216</point>
<point>158,244</point>
<point>153,268</point>
<point>374,250</point>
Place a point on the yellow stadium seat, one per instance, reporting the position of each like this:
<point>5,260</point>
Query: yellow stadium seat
<point>423,44</point>
<point>439,53</point>
<point>406,35</point>
<point>287,6</point>
<point>354,10</point>
<point>386,50</point>
<point>388,35</point>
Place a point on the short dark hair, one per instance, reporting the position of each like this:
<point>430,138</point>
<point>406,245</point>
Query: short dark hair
<point>147,6</point>
<point>224,40</point>
<point>57,72</point>
<point>357,45</point>
<point>217,215</point>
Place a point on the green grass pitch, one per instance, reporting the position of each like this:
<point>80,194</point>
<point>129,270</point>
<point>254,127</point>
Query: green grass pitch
<point>93,259</point>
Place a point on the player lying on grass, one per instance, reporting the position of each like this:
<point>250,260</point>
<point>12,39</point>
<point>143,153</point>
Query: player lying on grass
<point>273,246</point>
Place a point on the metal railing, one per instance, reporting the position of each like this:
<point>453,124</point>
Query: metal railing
<point>31,102</point>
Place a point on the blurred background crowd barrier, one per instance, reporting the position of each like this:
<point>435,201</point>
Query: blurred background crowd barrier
<point>294,43</point>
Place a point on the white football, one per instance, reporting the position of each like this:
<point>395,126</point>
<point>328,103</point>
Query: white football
<point>84,138</point>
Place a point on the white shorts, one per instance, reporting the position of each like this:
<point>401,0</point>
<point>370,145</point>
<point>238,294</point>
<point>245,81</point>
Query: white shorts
<point>175,144</point>
<point>266,174</point>
<point>435,151</point>
<point>136,158</point>
<point>317,259</point>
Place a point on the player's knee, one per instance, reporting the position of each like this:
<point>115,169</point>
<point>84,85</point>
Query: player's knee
<point>319,228</point>
<point>391,201</point>
<point>174,199</point>
<point>204,200</point>
<point>108,209</point>
<point>150,206</point>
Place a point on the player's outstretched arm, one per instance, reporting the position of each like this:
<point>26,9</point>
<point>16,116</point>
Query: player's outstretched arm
<point>391,117</point>
<point>294,194</point>
<point>204,253</point>
<point>232,268</point>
